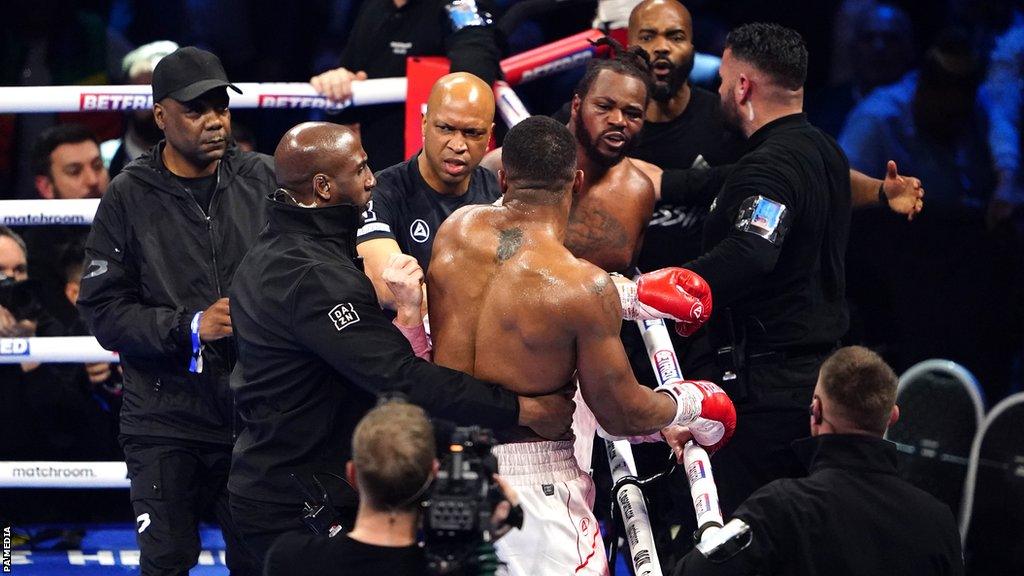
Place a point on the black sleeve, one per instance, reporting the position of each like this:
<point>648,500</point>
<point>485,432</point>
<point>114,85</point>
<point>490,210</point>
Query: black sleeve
<point>111,293</point>
<point>472,41</point>
<point>749,251</point>
<point>380,220</point>
<point>694,186</point>
<point>765,514</point>
<point>336,315</point>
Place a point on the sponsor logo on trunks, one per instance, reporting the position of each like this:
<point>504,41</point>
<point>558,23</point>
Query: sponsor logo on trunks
<point>668,366</point>
<point>419,230</point>
<point>584,525</point>
<point>343,315</point>
<point>14,347</point>
<point>100,102</point>
<point>549,489</point>
<point>555,66</point>
<point>302,102</point>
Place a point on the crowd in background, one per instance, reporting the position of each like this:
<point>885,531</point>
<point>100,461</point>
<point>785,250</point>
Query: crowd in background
<point>935,86</point>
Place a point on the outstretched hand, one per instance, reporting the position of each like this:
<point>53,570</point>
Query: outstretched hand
<point>905,194</point>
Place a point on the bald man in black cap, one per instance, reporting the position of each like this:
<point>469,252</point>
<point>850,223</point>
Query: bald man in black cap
<point>316,349</point>
<point>160,258</point>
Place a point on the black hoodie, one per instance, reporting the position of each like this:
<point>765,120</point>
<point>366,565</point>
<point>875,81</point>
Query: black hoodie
<point>153,259</point>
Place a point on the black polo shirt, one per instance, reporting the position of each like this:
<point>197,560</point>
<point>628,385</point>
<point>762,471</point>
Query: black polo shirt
<point>776,236</point>
<point>383,36</point>
<point>404,207</point>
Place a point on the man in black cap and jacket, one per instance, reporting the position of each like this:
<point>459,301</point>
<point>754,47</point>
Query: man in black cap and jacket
<point>164,245</point>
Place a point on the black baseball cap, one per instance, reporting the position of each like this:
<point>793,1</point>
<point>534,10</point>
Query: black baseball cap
<point>188,73</point>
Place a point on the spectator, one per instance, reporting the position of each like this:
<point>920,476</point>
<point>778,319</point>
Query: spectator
<point>140,130</point>
<point>160,259</point>
<point>393,479</point>
<point>1002,89</point>
<point>852,514</point>
<point>881,52</point>
<point>385,33</point>
<point>931,123</point>
<point>67,165</point>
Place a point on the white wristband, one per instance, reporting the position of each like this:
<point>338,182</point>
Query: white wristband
<point>632,307</point>
<point>688,401</point>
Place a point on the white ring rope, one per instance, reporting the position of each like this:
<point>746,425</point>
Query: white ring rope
<point>63,475</point>
<point>57,349</point>
<point>275,95</point>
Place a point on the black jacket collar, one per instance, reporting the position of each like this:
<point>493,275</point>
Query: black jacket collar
<point>777,125</point>
<point>848,451</point>
<point>338,222</point>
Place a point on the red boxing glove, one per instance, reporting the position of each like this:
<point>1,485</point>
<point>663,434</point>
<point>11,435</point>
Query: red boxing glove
<point>677,294</point>
<point>705,409</point>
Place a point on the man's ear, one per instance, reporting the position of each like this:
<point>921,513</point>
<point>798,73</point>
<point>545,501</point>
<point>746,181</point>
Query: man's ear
<point>71,291</point>
<point>574,108</point>
<point>45,188</point>
<point>502,181</point>
<point>350,474</point>
<point>894,415</point>
<point>322,188</point>
<point>743,89</point>
<point>158,115</point>
<point>435,468</point>
<point>577,182</point>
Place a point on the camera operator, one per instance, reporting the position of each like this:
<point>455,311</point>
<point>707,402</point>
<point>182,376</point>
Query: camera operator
<point>392,478</point>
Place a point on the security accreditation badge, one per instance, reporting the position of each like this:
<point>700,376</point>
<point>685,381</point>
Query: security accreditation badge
<point>764,217</point>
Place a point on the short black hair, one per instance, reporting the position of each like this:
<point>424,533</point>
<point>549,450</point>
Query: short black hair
<point>53,137</point>
<point>539,153</point>
<point>775,50</point>
<point>626,61</point>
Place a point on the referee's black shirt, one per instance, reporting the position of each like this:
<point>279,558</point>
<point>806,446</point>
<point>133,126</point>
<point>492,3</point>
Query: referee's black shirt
<point>315,349</point>
<point>790,292</point>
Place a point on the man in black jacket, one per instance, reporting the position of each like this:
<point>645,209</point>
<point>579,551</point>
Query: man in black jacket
<point>160,258</point>
<point>385,33</point>
<point>315,348</point>
<point>852,514</point>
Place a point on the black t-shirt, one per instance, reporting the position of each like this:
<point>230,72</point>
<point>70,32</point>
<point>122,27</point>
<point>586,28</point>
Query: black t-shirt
<point>201,189</point>
<point>384,35</point>
<point>406,208</point>
<point>312,555</point>
<point>674,233</point>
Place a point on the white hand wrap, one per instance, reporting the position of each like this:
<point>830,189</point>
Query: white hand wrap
<point>689,401</point>
<point>632,307</point>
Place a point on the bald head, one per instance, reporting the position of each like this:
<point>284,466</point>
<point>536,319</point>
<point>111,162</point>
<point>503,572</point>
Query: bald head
<point>456,129</point>
<point>464,90</point>
<point>659,9</point>
<point>319,164</point>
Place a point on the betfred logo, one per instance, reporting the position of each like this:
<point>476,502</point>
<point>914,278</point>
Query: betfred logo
<point>668,367</point>
<point>105,102</point>
<point>560,65</point>
<point>300,102</point>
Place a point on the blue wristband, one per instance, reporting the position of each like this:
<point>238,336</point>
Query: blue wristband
<point>195,365</point>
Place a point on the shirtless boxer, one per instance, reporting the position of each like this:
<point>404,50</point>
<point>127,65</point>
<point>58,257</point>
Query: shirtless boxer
<point>511,304</point>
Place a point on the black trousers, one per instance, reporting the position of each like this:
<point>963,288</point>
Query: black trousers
<point>261,523</point>
<point>174,483</point>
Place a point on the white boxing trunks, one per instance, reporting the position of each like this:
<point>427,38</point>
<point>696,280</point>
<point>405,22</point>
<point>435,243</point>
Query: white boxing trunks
<point>560,535</point>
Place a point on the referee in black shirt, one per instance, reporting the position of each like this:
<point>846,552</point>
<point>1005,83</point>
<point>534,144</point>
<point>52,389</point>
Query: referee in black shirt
<point>774,244</point>
<point>384,34</point>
